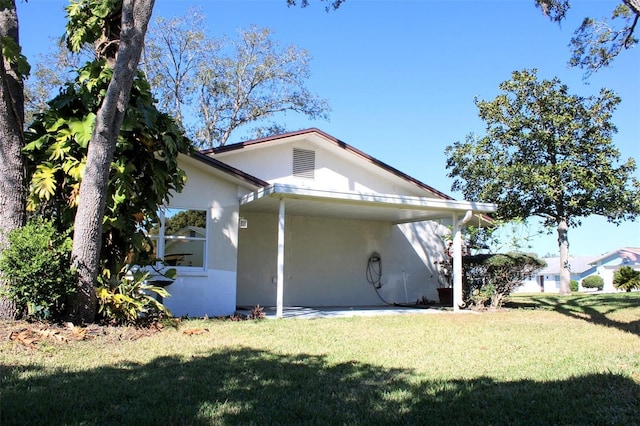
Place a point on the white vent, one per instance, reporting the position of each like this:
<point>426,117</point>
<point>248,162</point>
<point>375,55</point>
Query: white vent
<point>304,163</point>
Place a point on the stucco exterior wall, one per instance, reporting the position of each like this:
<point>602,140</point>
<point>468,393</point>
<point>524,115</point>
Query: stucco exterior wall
<point>333,171</point>
<point>210,291</point>
<point>326,261</point>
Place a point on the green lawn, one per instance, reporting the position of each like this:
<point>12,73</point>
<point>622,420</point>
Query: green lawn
<point>545,360</point>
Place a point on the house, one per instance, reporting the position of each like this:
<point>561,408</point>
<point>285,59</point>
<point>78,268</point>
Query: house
<point>608,263</point>
<point>548,279</point>
<point>304,219</point>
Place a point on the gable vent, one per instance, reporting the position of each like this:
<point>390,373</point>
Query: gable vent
<point>304,163</point>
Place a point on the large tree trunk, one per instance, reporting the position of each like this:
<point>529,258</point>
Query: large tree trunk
<point>87,236</point>
<point>565,267</point>
<point>12,164</point>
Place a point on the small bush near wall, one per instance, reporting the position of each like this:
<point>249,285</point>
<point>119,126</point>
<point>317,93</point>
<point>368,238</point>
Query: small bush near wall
<point>626,278</point>
<point>573,285</point>
<point>593,281</point>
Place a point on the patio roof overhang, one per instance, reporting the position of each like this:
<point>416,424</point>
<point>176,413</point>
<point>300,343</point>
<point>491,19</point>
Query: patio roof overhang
<point>351,205</point>
<point>390,208</point>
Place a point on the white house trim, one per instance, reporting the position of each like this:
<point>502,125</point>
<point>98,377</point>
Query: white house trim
<point>386,207</point>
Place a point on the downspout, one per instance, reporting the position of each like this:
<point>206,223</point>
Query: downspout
<point>457,259</point>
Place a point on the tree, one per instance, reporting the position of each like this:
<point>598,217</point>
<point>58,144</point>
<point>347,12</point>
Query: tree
<point>13,70</point>
<point>173,52</point>
<point>626,278</point>
<point>226,84</point>
<point>117,29</point>
<point>490,278</point>
<point>143,173</point>
<point>596,43</point>
<point>547,154</point>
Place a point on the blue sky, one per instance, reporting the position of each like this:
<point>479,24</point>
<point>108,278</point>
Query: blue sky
<point>401,75</point>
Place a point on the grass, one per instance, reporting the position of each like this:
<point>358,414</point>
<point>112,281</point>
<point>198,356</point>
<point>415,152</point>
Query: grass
<point>545,360</point>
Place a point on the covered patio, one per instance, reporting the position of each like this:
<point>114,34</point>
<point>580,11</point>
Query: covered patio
<point>283,200</point>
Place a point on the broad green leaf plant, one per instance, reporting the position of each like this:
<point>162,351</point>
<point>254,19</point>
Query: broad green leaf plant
<point>143,174</point>
<point>129,298</point>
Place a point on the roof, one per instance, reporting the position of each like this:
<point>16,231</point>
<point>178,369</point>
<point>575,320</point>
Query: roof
<point>578,265</point>
<point>229,170</point>
<point>336,142</point>
<point>630,253</point>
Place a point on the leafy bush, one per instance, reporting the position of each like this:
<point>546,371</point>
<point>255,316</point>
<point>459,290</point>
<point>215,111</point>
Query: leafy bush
<point>593,281</point>
<point>626,278</point>
<point>489,278</point>
<point>573,285</point>
<point>37,266</point>
<point>480,296</point>
<point>128,298</point>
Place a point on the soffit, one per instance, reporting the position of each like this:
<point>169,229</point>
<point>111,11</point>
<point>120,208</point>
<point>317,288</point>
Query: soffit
<point>350,205</point>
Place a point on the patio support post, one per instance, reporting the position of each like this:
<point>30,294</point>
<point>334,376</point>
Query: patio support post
<point>280,271</point>
<point>457,259</point>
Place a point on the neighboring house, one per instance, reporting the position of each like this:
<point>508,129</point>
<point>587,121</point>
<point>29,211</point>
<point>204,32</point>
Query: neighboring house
<point>304,219</point>
<point>548,279</point>
<point>608,263</point>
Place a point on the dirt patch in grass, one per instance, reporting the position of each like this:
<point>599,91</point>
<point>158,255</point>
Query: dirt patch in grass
<point>31,334</point>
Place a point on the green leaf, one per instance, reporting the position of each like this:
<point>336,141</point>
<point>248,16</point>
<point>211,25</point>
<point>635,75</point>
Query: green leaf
<point>56,125</point>
<point>12,52</point>
<point>58,150</point>
<point>37,143</point>
<point>82,129</point>
<point>44,181</point>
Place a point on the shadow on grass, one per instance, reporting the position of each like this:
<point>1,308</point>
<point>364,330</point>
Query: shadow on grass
<point>593,308</point>
<point>245,386</point>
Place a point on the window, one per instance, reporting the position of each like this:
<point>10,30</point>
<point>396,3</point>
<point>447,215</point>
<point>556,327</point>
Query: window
<point>304,163</point>
<point>181,237</point>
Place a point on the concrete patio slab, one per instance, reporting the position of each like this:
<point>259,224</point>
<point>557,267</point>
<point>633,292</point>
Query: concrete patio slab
<point>303,312</point>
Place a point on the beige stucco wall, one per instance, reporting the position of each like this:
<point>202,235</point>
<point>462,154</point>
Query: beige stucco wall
<point>326,261</point>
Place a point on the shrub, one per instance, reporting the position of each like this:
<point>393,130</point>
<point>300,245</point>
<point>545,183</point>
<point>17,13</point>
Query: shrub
<point>573,285</point>
<point>593,281</point>
<point>128,298</point>
<point>489,278</point>
<point>626,278</point>
<point>37,267</point>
